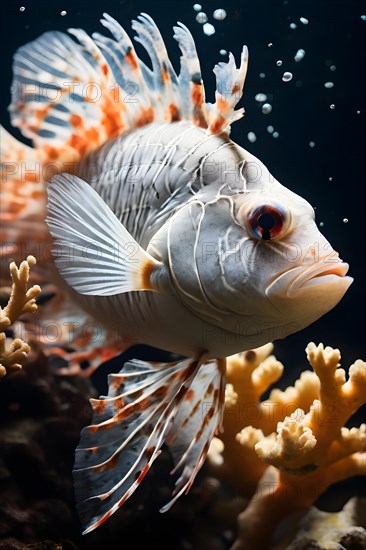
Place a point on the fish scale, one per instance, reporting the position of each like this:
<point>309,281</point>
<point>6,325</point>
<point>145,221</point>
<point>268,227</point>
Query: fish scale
<point>164,232</point>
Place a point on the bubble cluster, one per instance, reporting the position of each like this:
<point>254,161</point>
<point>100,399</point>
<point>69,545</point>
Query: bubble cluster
<point>208,29</point>
<point>287,76</point>
<point>260,97</point>
<point>279,63</point>
<point>328,84</point>
<point>219,14</point>
<point>201,17</point>
<point>251,137</point>
<point>266,108</point>
<point>299,55</point>
<point>304,21</point>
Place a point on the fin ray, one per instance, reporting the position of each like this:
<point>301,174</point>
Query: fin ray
<point>107,471</point>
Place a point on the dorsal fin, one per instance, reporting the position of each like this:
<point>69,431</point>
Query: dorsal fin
<point>74,96</point>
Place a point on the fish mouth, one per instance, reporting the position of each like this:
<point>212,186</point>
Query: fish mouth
<point>328,270</point>
<point>321,272</point>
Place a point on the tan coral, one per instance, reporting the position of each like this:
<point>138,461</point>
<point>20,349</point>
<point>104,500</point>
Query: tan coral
<point>309,451</point>
<point>22,300</point>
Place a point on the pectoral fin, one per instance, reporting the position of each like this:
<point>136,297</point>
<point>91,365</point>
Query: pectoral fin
<point>93,251</point>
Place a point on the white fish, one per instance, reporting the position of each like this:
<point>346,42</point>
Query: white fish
<point>164,224</point>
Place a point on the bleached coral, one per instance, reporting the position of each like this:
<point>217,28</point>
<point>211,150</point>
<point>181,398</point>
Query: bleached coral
<point>299,432</point>
<point>22,300</point>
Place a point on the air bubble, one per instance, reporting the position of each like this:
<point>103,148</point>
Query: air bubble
<point>332,106</point>
<point>63,12</point>
<point>22,8</point>
<point>223,52</point>
<point>304,21</point>
<point>260,97</point>
<point>266,108</point>
<point>275,135</point>
<point>270,129</point>
<point>328,84</point>
<point>293,26</point>
<point>330,178</point>
<point>299,55</point>
<point>219,14</point>
<point>208,29</point>
<point>197,7</point>
<point>201,17</point>
<point>251,137</point>
<point>311,144</point>
<point>279,63</point>
<point>287,77</point>
<point>270,44</point>
<point>262,75</point>
<point>358,112</point>
<point>332,67</point>
<point>363,17</point>
<point>345,220</point>
<point>321,224</point>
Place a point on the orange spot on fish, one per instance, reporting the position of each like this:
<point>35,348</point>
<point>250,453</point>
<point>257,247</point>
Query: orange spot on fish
<point>99,405</point>
<point>51,152</point>
<point>143,473</point>
<point>76,121</point>
<point>105,69</point>
<point>131,60</point>
<point>217,125</point>
<point>146,116</point>
<point>190,395</point>
<point>118,403</point>
<point>147,270</point>
<point>174,113</point>
<point>222,104</point>
<point>32,177</point>
<point>235,88</point>
<point>164,75</point>
<point>78,143</point>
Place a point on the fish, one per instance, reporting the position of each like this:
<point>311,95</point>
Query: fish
<point>160,226</point>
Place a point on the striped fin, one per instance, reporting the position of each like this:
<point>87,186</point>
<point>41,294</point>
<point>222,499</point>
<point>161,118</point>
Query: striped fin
<point>198,418</point>
<point>229,88</point>
<point>93,251</point>
<point>128,429</point>
<point>73,96</point>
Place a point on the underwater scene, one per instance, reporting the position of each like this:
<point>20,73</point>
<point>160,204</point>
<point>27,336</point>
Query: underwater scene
<point>182,269</point>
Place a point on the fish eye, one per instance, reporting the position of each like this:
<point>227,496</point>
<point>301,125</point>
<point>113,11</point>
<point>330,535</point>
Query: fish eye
<point>266,221</point>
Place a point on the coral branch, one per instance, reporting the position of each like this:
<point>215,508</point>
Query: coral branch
<point>22,300</point>
<point>309,450</point>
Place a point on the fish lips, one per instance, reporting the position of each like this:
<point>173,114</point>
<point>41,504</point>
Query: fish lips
<point>307,282</point>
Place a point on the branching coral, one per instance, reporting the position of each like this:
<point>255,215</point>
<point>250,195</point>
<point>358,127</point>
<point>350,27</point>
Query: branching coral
<point>22,300</point>
<point>306,451</point>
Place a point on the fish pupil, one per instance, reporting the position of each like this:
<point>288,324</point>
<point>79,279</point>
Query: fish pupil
<point>266,221</point>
